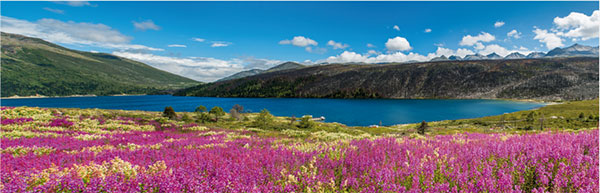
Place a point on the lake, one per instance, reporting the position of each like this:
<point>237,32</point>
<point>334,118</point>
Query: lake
<point>352,112</point>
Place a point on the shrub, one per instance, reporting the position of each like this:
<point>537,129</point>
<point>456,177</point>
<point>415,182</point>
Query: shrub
<point>169,113</point>
<point>264,119</point>
<point>203,117</point>
<point>422,128</point>
<point>217,112</point>
<point>200,109</point>
<point>306,123</point>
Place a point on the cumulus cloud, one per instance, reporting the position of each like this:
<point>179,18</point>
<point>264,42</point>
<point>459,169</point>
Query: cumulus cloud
<point>427,30</point>
<point>177,46</point>
<point>145,25</point>
<point>198,68</point>
<point>220,44</point>
<point>441,51</point>
<point>337,45</point>
<point>514,34</point>
<point>397,43</point>
<point>579,25</point>
<point>396,28</point>
<point>57,11</point>
<point>88,34</point>
<point>299,41</point>
<point>498,24</point>
<point>495,48</point>
<point>550,39</point>
<point>370,45</point>
<point>469,40</point>
<point>198,39</point>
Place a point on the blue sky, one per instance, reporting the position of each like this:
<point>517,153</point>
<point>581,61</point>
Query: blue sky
<point>243,35</point>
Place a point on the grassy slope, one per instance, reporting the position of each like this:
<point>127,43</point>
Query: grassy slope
<point>32,66</point>
<point>282,128</point>
<point>566,117</point>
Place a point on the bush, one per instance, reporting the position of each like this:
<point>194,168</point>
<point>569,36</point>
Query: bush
<point>169,113</point>
<point>217,112</point>
<point>306,123</point>
<point>264,119</point>
<point>422,128</point>
<point>203,117</point>
<point>186,118</point>
<point>200,109</point>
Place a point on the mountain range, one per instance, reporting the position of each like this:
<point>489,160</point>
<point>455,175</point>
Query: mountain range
<point>252,72</point>
<point>575,50</point>
<point>31,66</point>
<point>559,78</point>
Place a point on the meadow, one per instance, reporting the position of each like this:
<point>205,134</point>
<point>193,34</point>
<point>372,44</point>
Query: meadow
<point>93,150</point>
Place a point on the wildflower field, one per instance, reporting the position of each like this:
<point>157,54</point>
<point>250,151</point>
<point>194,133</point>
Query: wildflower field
<point>91,150</point>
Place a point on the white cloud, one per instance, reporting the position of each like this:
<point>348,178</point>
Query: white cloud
<point>73,33</point>
<point>145,25</point>
<point>550,39</point>
<point>495,48</point>
<point>372,52</point>
<point>397,43</point>
<point>579,25</point>
<point>199,68</point>
<point>316,50</point>
<point>441,51</point>
<point>337,45</point>
<point>370,45</point>
<point>198,39</point>
<point>479,46</point>
<point>353,57</point>
<point>498,24</point>
<point>472,40</point>
<point>220,44</point>
<point>427,30</point>
<point>177,46</point>
<point>76,3</point>
<point>396,28</point>
<point>57,11</point>
<point>299,41</point>
<point>514,34</point>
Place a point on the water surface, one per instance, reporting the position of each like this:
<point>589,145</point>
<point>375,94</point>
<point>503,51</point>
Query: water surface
<point>352,112</point>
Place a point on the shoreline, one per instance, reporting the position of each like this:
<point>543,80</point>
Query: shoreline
<point>68,96</point>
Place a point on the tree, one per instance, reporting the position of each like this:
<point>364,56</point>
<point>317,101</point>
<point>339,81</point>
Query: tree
<point>263,120</point>
<point>203,117</point>
<point>217,111</point>
<point>235,114</point>
<point>238,108</point>
<point>581,116</point>
<point>422,128</point>
<point>200,109</point>
<point>306,122</point>
<point>169,113</point>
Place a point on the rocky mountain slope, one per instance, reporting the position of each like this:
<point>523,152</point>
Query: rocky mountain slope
<point>545,78</point>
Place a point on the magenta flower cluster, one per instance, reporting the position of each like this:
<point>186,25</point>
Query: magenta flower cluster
<point>231,161</point>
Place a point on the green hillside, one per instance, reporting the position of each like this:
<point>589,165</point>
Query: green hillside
<point>33,66</point>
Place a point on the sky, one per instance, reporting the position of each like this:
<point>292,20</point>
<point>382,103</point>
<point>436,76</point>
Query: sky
<point>207,41</point>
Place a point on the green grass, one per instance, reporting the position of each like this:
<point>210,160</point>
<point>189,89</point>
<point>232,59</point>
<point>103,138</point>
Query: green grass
<point>32,66</point>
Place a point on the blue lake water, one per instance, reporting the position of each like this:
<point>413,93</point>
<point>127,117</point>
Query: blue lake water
<point>352,112</point>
